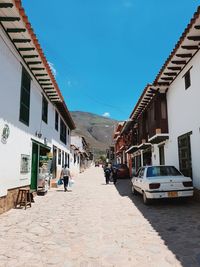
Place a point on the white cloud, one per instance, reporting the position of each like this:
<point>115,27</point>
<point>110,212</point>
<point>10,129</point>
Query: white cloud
<point>52,67</point>
<point>106,114</point>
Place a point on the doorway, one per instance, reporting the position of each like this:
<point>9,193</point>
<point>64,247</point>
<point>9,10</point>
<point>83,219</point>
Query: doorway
<point>34,166</point>
<point>185,159</point>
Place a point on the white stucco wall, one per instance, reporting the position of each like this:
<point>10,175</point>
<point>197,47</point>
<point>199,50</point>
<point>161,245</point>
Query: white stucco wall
<point>183,116</point>
<point>19,141</point>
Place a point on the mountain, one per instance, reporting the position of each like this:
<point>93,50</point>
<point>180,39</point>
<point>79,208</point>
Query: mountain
<point>97,130</point>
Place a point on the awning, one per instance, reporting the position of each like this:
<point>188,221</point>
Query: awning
<point>132,149</point>
<point>158,138</point>
<point>144,145</point>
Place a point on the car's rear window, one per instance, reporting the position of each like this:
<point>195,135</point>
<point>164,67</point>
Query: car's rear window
<point>162,171</point>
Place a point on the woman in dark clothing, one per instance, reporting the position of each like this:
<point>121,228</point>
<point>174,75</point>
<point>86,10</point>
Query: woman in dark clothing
<point>114,175</point>
<point>107,172</point>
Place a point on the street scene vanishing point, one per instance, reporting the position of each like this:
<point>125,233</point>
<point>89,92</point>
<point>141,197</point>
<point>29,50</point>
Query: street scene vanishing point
<point>81,188</point>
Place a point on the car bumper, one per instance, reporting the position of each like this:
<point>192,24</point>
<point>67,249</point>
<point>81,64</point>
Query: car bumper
<point>169,194</point>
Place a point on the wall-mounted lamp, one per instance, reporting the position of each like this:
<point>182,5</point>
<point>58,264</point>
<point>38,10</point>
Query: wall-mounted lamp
<point>38,134</point>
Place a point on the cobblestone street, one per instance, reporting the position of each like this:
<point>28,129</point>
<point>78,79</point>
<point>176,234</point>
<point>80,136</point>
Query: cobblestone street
<point>100,225</point>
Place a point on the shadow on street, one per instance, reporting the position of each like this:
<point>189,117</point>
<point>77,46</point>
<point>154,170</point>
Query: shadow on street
<point>177,222</point>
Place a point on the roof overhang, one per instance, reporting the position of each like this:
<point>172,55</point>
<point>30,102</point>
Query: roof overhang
<point>144,146</point>
<point>158,138</point>
<point>131,149</point>
<point>187,46</point>
<point>145,99</point>
<point>17,27</point>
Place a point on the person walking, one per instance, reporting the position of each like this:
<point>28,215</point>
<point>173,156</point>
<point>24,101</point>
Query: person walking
<point>114,175</point>
<point>65,175</point>
<point>107,172</point>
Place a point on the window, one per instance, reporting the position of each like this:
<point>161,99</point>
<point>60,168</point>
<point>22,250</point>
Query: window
<point>158,171</point>
<point>187,79</point>
<point>163,110</point>
<point>162,155</point>
<point>66,159</point>
<point>44,110</point>
<point>56,120</point>
<point>63,136</point>
<point>59,157</point>
<point>63,159</point>
<point>25,97</point>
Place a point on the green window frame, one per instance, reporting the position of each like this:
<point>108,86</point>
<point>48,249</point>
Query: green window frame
<point>24,113</point>
<point>44,109</point>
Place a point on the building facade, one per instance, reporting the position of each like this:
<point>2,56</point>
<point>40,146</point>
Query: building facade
<point>164,128</point>
<point>35,124</point>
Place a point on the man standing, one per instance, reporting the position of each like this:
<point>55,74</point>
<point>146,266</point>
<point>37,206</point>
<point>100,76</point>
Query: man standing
<point>107,172</point>
<point>65,175</point>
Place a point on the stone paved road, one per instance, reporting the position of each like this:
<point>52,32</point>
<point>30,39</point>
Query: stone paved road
<point>100,225</point>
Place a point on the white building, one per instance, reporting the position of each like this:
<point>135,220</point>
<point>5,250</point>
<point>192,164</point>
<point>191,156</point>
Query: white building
<point>182,73</point>
<point>35,124</point>
<point>164,127</point>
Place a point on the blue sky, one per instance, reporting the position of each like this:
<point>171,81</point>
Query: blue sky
<point>104,52</point>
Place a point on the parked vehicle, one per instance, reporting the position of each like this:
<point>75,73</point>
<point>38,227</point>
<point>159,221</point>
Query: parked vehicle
<point>122,171</point>
<point>156,182</point>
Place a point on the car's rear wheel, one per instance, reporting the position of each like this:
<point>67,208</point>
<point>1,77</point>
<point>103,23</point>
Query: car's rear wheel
<point>134,192</point>
<point>145,199</point>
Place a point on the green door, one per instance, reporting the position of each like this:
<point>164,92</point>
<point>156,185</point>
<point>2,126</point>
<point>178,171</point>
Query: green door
<point>34,167</point>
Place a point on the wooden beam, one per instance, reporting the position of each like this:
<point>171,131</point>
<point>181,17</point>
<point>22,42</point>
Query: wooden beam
<point>190,47</point>
<point>26,48</point>
<point>179,62</point>
<point>48,88</point>
<point>174,68</point>
<point>37,68</point>
<point>34,62</point>
<point>194,38</point>
<point>184,55</point>
<point>162,83</point>
<point>30,56</point>
<point>166,78</point>
<point>197,27</point>
<point>43,84</point>
<point>170,73</point>
<point>6,5</point>
<point>41,74</point>
<point>44,80</point>
<point>21,40</point>
<point>15,30</point>
<point>9,19</point>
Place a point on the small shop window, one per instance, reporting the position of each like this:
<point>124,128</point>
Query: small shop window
<point>44,109</point>
<point>25,98</point>
<point>187,79</point>
<point>56,120</point>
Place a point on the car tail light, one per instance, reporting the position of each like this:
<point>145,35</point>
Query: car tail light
<point>188,184</point>
<point>154,186</point>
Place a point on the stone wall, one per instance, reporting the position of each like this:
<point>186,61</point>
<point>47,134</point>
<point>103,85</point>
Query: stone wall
<point>8,202</point>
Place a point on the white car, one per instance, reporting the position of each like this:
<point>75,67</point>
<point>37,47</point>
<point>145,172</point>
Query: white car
<point>155,182</point>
